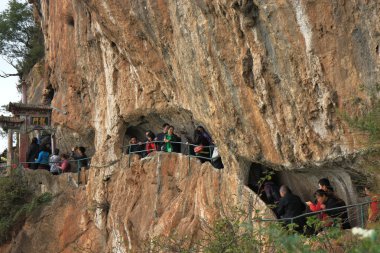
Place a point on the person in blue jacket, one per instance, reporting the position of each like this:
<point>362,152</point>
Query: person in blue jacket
<point>43,159</point>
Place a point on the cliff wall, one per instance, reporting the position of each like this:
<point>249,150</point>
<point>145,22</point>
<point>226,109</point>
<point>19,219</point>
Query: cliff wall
<point>269,80</point>
<point>266,78</point>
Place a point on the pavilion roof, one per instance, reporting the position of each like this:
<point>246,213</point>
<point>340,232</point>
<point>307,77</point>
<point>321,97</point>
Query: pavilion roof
<point>7,122</point>
<point>20,108</point>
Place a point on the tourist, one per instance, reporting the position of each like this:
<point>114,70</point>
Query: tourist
<point>323,184</point>
<point>329,201</point>
<point>65,164</point>
<point>161,136</point>
<point>271,191</point>
<point>290,206</point>
<point>43,159</point>
<point>79,153</point>
<point>170,141</point>
<point>150,146</point>
<point>205,134</point>
<point>202,148</point>
<point>134,147</point>
<point>373,209</point>
<point>54,162</point>
<point>32,154</point>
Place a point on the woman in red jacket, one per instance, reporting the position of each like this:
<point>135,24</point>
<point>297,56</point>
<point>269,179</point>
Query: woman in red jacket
<point>150,146</point>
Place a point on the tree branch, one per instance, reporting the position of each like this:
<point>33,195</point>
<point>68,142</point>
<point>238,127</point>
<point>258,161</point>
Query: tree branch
<point>5,75</point>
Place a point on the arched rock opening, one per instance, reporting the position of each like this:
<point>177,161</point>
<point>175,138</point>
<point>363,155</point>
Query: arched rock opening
<point>305,182</point>
<point>182,120</point>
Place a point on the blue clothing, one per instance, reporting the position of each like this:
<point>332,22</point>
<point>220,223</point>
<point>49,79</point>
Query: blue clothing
<point>43,157</point>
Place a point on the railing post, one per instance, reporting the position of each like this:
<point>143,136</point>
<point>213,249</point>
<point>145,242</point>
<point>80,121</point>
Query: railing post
<point>361,216</point>
<point>188,154</point>
<point>78,172</point>
<point>129,156</point>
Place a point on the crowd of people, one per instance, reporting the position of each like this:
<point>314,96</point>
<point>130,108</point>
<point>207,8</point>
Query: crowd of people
<point>288,206</point>
<point>201,145</point>
<point>40,156</point>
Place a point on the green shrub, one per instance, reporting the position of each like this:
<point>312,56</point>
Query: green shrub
<point>237,233</point>
<point>16,203</point>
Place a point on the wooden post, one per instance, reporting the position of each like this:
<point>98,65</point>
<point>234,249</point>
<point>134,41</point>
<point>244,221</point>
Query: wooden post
<point>10,148</point>
<point>23,148</point>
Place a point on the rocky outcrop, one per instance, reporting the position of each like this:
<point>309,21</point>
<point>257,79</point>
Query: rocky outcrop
<point>120,211</point>
<point>268,79</point>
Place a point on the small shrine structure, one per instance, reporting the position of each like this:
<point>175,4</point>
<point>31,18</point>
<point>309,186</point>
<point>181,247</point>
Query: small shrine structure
<point>26,118</point>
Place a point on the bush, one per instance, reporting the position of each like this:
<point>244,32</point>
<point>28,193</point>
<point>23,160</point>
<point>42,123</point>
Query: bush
<point>238,233</point>
<point>16,203</point>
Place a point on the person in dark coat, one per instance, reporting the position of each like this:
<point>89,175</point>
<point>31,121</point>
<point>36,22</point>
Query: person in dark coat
<point>32,154</point>
<point>202,145</point>
<point>338,216</point>
<point>290,206</point>
<point>135,147</point>
<point>79,153</point>
<point>161,136</point>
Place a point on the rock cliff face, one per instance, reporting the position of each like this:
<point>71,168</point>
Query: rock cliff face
<point>268,79</point>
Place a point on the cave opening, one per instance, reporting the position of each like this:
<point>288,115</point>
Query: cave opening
<point>184,127</point>
<point>304,183</point>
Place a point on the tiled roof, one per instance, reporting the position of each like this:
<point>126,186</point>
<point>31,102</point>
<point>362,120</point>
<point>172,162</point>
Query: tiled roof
<point>6,119</point>
<point>14,107</point>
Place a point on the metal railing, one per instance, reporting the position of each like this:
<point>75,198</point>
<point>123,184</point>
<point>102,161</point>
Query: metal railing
<point>205,155</point>
<point>357,215</point>
<point>77,161</point>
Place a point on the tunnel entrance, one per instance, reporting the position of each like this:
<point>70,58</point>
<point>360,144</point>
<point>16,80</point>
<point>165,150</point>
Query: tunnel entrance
<point>304,183</point>
<point>184,126</point>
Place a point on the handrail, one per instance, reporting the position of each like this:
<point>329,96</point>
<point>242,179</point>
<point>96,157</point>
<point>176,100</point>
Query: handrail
<point>316,212</point>
<point>163,142</point>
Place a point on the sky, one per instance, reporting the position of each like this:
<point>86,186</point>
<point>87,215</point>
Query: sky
<point>8,90</point>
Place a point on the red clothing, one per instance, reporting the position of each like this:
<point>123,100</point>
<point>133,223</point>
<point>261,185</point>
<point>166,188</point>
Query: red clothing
<point>373,212</point>
<point>150,147</point>
<point>317,207</point>
<point>65,166</point>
